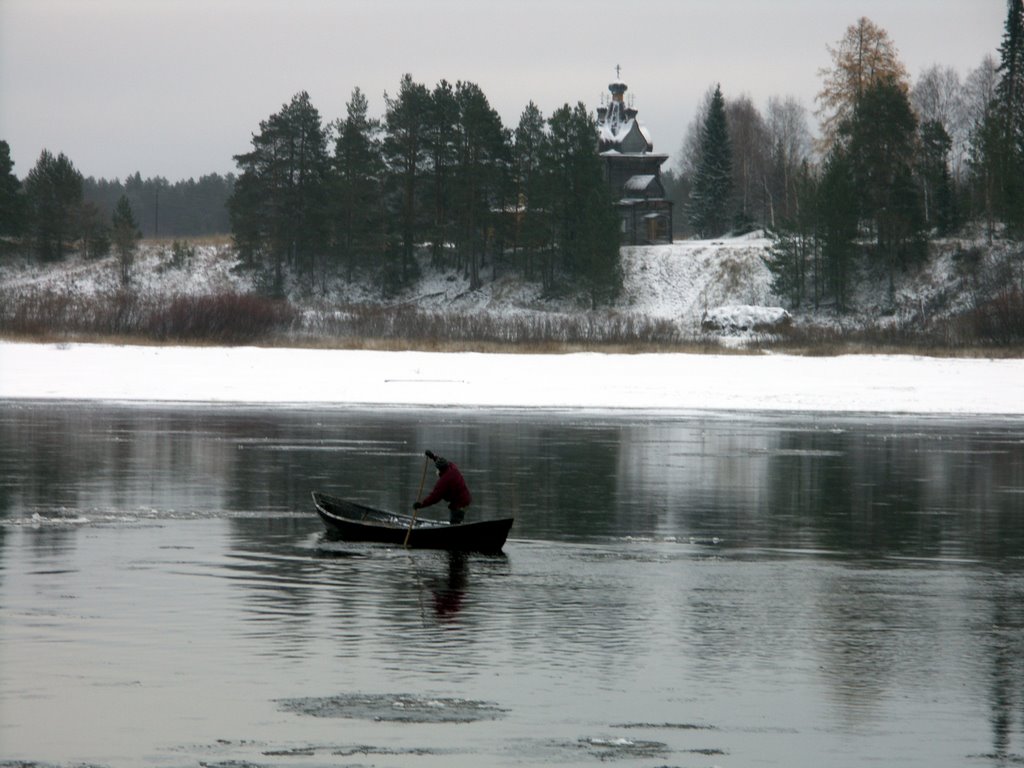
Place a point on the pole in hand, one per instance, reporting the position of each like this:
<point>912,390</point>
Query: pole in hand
<point>419,495</point>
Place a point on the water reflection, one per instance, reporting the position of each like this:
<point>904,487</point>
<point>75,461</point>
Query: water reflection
<point>866,488</point>
<point>832,578</point>
<point>450,591</point>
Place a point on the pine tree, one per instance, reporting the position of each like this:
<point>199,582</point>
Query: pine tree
<point>936,181</point>
<point>481,156</point>
<point>881,139</point>
<point>712,183</point>
<point>406,153</point>
<point>786,265</point>
<point>12,203</point>
<point>279,207</point>
<point>357,170</point>
<point>54,192</point>
<point>441,136</point>
<point>838,206</point>
<point>126,234</point>
<point>584,223</point>
<point>528,235</point>
<point>1008,160</point>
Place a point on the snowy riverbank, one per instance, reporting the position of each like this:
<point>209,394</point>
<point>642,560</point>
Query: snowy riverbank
<point>677,382</point>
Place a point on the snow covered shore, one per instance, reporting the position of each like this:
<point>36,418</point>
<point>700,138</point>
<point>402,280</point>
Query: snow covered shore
<point>669,382</point>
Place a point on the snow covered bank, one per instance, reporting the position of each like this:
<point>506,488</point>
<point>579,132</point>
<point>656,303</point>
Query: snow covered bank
<point>887,384</point>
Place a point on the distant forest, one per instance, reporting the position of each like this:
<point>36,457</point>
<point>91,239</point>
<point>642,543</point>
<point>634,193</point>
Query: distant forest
<point>183,209</point>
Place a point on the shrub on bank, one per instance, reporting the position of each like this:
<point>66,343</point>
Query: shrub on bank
<point>430,328</point>
<point>999,321</point>
<point>228,318</point>
<point>236,318</point>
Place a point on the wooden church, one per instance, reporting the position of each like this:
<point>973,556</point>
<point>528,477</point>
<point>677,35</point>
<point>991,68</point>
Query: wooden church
<point>632,170</point>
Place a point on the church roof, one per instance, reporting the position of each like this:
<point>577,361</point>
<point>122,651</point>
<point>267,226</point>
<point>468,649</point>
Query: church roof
<point>627,136</point>
<point>639,183</point>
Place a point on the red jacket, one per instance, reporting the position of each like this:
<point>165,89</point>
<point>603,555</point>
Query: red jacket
<point>451,487</point>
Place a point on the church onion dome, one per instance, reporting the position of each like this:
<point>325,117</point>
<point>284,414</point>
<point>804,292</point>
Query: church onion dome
<point>617,126</point>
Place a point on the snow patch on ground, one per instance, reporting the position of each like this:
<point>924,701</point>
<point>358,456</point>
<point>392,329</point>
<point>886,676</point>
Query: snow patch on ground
<point>746,318</point>
<point>684,283</point>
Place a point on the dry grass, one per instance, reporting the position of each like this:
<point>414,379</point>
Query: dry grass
<point>227,318</point>
<point>994,330</point>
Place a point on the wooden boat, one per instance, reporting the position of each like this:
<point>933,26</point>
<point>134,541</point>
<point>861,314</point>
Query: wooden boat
<point>349,521</point>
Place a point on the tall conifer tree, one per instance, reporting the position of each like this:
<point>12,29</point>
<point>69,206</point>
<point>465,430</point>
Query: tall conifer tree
<point>279,204</point>
<point>357,171</point>
<point>12,209</point>
<point>712,184</point>
<point>406,153</point>
<point>126,234</point>
<point>528,151</point>
<point>1009,113</point>
<point>54,191</point>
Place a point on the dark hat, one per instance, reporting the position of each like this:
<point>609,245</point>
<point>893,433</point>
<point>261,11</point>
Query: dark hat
<point>441,463</point>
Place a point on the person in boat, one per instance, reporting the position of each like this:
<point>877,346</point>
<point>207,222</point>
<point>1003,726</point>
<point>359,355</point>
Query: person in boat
<point>450,487</point>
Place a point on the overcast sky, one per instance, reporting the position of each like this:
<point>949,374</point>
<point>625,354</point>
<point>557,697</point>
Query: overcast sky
<point>174,88</point>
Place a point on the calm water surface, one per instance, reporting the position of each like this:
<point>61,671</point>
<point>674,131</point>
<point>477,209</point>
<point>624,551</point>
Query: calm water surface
<point>740,590</point>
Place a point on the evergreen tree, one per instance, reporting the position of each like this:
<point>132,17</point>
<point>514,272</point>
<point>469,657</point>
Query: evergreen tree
<point>794,256</point>
<point>712,182</point>
<point>406,154</point>
<point>279,205</point>
<point>936,181</point>
<point>442,130</point>
<point>54,191</point>
<point>838,207</point>
<point>529,213</point>
<point>1008,149</point>
<point>358,168</point>
<point>584,223</point>
<point>94,230</point>
<point>881,138</point>
<point>12,203</point>
<point>126,234</point>
<point>983,154</point>
<point>481,156</point>
<point>786,264</point>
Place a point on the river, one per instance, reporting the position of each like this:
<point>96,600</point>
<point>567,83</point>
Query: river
<point>686,590</point>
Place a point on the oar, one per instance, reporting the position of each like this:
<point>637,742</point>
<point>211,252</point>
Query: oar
<point>418,495</point>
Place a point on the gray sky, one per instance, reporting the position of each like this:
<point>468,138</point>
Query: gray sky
<point>174,88</point>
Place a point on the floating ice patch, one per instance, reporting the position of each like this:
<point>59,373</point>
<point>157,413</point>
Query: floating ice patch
<point>59,517</point>
<point>676,726</point>
<point>616,748</point>
<point>398,708</point>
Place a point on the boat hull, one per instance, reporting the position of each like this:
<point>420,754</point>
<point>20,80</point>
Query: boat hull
<point>349,521</point>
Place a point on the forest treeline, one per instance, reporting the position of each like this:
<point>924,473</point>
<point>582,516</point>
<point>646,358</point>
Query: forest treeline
<point>361,196</point>
<point>894,164</point>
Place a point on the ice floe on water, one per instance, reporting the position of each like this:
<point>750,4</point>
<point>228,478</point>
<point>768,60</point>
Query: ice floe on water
<point>398,708</point>
<point>614,748</point>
